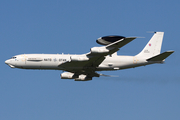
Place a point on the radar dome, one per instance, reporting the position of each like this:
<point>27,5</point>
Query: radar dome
<point>108,39</point>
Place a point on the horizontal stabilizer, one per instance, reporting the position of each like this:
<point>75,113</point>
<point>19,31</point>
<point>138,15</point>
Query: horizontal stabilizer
<point>161,56</point>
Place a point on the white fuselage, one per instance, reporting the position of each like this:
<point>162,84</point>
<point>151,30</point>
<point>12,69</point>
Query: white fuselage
<point>52,61</point>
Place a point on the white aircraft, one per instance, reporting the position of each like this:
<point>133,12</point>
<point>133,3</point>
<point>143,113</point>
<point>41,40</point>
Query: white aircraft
<point>83,67</point>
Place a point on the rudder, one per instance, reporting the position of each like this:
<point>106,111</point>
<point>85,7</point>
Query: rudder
<point>153,47</point>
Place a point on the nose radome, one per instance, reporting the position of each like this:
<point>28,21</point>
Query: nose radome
<point>7,61</point>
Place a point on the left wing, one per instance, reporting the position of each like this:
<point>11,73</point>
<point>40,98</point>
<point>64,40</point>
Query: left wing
<point>87,63</point>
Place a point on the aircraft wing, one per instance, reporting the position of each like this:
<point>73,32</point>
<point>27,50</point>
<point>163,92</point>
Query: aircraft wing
<point>109,49</point>
<point>120,43</point>
<point>87,63</point>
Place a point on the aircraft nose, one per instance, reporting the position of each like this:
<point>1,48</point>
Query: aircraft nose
<point>7,61</point>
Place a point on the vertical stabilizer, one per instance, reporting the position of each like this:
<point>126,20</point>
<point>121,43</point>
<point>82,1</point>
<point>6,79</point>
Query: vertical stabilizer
<point>153,47</point>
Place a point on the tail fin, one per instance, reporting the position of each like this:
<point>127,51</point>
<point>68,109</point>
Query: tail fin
<point>153,47</point>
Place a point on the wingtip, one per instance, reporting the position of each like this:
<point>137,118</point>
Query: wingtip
<point>135,37</point>
<point>171,51</point>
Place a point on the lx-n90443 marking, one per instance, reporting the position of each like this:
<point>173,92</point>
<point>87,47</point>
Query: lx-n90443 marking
<point>85,66</point>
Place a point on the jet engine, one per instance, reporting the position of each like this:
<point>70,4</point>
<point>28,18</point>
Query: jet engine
<point>69,75</point>
<point>79,58</point>
<point>99,50</point>
<point>83,78</point>
<point>106,40</point>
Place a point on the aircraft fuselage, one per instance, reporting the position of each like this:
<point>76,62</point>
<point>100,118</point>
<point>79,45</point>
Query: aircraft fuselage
<point>52,61</point>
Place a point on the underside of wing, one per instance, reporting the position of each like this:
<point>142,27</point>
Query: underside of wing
<point>91,63</point>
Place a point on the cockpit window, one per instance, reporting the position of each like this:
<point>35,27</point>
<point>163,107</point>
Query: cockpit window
<point>13,58</point>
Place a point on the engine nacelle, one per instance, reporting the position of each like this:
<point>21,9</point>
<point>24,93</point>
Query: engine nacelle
<point>68,75</point>
<point>99,50</point>
<point>106,40</point>
<point>83,78</point>
<point>79,58</point>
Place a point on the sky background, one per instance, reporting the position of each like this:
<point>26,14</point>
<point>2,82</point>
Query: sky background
<point>72,26</point>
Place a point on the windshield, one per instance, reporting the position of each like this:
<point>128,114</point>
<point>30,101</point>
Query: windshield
<point>13,58</point>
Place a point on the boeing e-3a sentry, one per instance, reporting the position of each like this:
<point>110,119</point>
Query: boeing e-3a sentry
<point>84,67</point>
